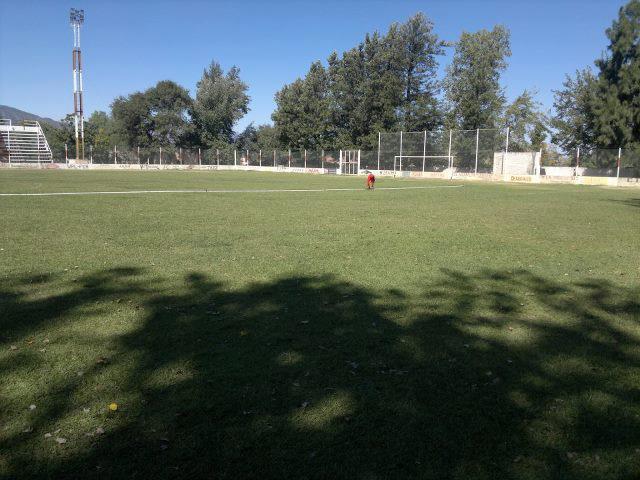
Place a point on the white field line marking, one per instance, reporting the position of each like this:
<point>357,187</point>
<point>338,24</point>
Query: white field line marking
<point>142,192</point>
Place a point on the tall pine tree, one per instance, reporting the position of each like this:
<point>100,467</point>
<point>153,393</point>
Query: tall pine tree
<point>472,85</point>
<point>617,106</point>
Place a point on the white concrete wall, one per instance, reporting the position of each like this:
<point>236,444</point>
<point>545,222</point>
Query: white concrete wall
<point>448,174</point>
<point>515,163</point>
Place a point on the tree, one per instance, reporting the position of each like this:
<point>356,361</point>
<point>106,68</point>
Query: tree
<point>472,84</point>
<point>348,106</point>
<point>157,117</point>
<point>573,122</point>
<point>221,100</point>
<point>602,110</point>
<point>247,139</point>
<point>58,137</point>
<point>100,135</point>
<point>420,47</point>
<point>303,116</point>
<point>527,124</point>
<point>266,137</point>
<point>384,83</point>
<point>617,104</point>
<point>169,108</point>
<point>288,116</point>
<point>132,120</point>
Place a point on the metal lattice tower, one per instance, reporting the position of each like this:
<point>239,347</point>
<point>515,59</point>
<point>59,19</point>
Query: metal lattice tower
<point>76,18</point>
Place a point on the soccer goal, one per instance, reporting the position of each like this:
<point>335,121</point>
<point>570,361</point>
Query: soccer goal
<point>422,163</point>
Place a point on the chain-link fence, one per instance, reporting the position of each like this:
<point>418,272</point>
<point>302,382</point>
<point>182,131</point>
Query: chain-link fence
<point>603,162</point>
<point>460,151</point>
<point>470,151</point>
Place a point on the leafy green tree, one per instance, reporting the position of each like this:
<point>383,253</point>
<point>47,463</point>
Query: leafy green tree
<point>169,109</point>
<point>132,119</point>
<point>266,137</point>
<point>472,84</point>
<point>384,83</point>
<point>347,83</point>
<point>573,122</point>
<point>527,123</point>
<point>288,115</point>
<point>100,136</point>
<point>247,139</point>
<point>303,116</point>
<point>157,117</point>
<point>221,100</point>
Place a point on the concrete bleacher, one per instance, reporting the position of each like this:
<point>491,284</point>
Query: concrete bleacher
<point>23,143</point>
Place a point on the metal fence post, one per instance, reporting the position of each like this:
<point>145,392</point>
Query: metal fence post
<point>575,173</point>
<point>450,158</point>
<point>91,154</point>
<point>274,158</point>
<point>199,157</point>
<point>506,150</point>
<point>260,157</point>
<point>289,158</point>
<point>540,163</point>
<point>400,159</point>
<point>9,145</point>
<point>322,158</point>
<point>618,169</point>
<point>115,154</point>
<point>235,157</point>
<point>66,157</point>
<point>217,157</point>
<point>450,162</point>
<point>305,158</point>
<point>160,155</point>
<point>424,150</point>
<point>477,143</point>
<point>379,134</point>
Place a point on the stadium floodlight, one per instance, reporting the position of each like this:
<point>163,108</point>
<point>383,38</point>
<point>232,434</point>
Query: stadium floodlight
<point>76,18</point>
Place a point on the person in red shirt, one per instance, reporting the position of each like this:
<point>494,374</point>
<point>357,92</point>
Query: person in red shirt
<point>371,181</point>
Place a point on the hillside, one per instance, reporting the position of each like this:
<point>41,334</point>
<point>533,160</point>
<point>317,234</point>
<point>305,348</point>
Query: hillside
<point>16,115</point>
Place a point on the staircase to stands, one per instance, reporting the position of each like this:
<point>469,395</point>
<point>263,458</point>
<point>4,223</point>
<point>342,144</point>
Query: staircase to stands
<point>23,143</point>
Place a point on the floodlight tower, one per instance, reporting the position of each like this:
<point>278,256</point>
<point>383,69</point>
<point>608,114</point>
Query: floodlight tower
<point>76,18</point>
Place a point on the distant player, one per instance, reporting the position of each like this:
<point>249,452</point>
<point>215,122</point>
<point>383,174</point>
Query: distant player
<point>371,181</point>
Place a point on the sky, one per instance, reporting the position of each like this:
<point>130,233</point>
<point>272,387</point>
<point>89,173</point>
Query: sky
<point>128,46</point>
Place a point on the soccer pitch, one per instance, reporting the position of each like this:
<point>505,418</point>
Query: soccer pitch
<point>313,329</point>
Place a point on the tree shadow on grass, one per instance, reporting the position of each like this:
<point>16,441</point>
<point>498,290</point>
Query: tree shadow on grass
<point>632,202</point>
<point>494,374</point>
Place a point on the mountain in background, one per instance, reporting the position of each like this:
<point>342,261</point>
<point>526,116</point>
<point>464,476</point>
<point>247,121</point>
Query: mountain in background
<point>16,115</point>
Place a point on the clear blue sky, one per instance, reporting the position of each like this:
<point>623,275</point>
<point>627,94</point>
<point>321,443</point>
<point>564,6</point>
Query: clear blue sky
<point>130,45</point>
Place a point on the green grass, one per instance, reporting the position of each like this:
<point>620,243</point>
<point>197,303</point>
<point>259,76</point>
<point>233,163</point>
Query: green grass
<point>488,331</point>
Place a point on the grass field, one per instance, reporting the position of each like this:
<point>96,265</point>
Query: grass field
<point>480,332</point>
